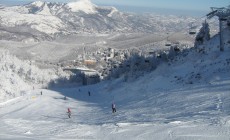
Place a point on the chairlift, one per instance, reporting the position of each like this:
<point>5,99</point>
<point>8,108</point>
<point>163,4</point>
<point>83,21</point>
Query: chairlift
<point>168,44</point>
<point>223,19</point>
<point>192,32</point>
<point>151,52</point>
<point>192,29</point>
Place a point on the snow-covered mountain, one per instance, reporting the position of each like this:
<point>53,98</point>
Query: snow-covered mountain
<point>45,20</point>
<point>184,98</point>
<point>85,6</point>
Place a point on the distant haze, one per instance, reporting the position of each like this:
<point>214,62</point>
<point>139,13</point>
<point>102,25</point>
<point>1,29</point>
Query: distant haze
<point>179,12</point>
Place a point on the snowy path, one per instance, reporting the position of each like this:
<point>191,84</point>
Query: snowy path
<point>175,114</point>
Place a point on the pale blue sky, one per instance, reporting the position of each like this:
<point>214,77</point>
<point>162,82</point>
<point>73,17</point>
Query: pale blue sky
<point>194,5</point>
<point>172,4</point>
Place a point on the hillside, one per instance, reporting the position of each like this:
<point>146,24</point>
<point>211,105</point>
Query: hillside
<point>19,76</point>
<point>186,98</point>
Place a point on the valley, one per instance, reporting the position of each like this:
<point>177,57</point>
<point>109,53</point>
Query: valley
<point>62,66</point>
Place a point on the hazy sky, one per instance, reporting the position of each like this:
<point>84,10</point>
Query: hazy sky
<point>172,4</point>
<point>200,5</point>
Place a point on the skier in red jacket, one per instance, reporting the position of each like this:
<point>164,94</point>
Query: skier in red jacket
<point>69,112</point>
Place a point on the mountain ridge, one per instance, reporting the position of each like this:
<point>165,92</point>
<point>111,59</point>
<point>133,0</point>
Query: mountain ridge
<point>57,19</point>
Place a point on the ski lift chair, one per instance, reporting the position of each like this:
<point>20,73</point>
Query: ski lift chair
<point>192,32</point>
<point>192,29</point>
<point>223,19</point>
<point>168,44</point>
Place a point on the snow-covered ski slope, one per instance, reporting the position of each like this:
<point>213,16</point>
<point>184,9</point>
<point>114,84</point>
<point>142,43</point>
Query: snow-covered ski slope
<point>187,99</point>
<point>143,112</point>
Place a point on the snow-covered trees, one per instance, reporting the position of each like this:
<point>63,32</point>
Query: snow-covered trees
<point>17,75</point>
<point>203,35</point>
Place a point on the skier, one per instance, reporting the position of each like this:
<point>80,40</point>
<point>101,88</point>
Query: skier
<point>89,93</point>
<point>113,107</point>
<point>69,112</point>
<point>41,92</point>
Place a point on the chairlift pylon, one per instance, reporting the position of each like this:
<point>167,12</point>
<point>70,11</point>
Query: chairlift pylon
<point>223,14</point>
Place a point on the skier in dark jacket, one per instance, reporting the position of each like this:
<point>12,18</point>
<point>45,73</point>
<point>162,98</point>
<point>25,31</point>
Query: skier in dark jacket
<point>113,107</point>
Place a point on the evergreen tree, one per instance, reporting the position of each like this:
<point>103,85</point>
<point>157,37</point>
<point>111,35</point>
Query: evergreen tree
<point>203,35</point>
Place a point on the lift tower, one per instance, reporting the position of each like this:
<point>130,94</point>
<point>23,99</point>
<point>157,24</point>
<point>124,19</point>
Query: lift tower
<point>223,14</point>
